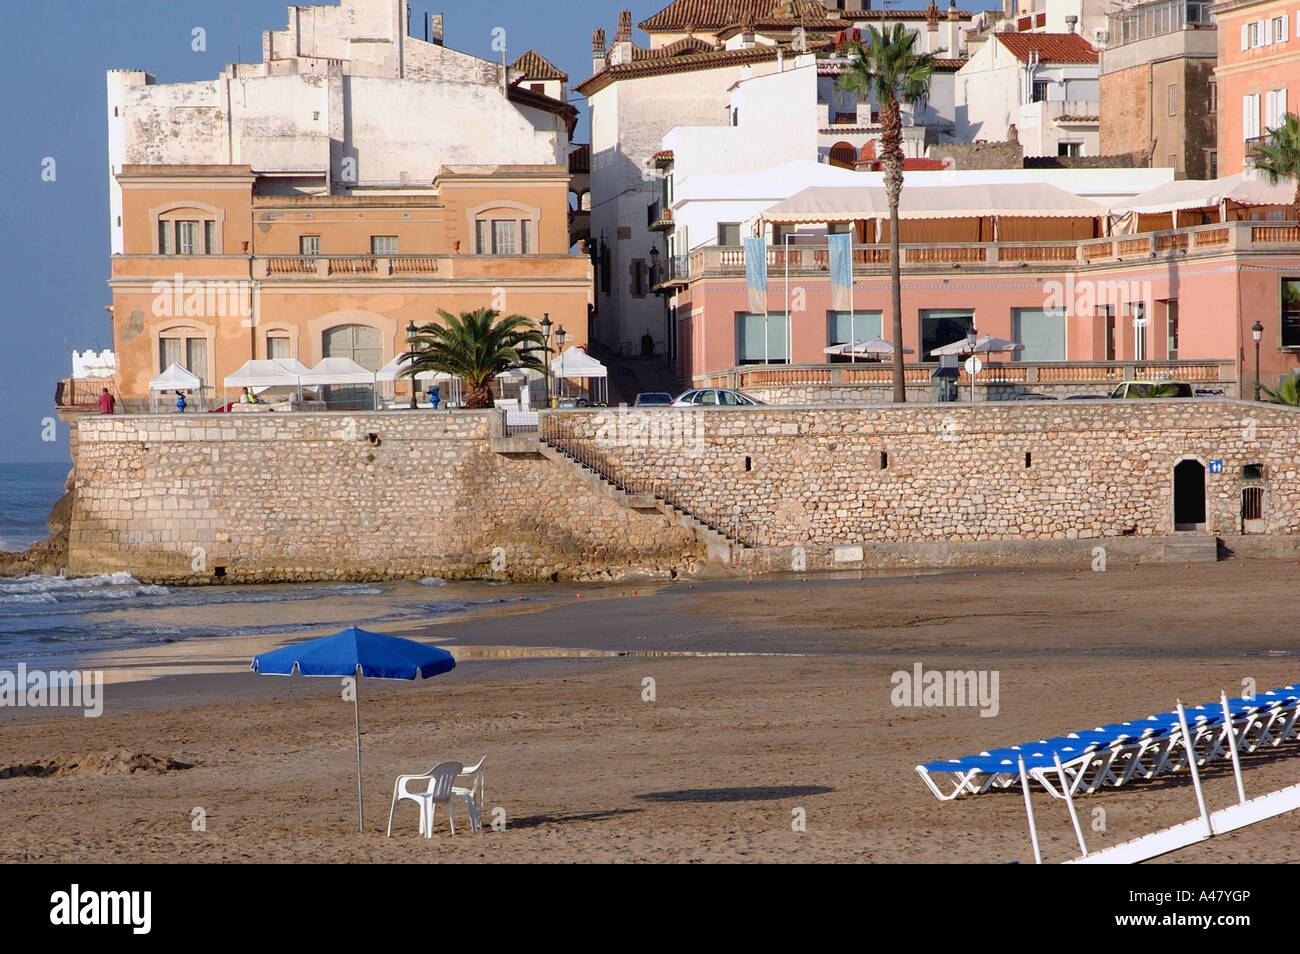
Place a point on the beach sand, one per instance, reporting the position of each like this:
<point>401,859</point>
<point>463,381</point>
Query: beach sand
<point>716,768</point>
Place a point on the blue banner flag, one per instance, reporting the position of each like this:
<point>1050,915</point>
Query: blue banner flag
<point>756,274</point>
<point>841,266</point>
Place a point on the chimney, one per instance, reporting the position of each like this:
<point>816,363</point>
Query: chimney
<point>597,50</point>
<point>1070,22</point>
<point>932,21</point>
<point>747,33</point>
<point>435,28</point>
<point>953,41</point>
<point>623,41</point>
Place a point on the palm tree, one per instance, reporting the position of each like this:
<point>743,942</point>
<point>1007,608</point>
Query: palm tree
<point>1288,392</point>
<point>887,68</point>
<point>475,346</point>
<point>1279,154</point>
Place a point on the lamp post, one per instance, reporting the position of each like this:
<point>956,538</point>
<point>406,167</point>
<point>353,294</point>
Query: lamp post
<point>545,325</point>
<point>971,339</point>
<point>559,349</point>
<point>410,346</point>
<point>1257,332</point>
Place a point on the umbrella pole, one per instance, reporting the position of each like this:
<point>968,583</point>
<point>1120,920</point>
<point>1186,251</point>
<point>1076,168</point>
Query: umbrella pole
<point>356,712</point>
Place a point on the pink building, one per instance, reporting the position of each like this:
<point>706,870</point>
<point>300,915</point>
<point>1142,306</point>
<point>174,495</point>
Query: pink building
<point>1170,286</point>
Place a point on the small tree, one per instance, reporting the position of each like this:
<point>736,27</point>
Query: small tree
<point>888,67</point>
<point>475,346</point>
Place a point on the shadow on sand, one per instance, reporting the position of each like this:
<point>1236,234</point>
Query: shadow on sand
<point>763,793</point>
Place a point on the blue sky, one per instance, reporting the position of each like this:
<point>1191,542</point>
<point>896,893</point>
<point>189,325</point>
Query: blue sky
<point>54,246</point>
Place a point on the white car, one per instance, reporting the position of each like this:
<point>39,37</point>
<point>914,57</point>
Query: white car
<point>714,397</point>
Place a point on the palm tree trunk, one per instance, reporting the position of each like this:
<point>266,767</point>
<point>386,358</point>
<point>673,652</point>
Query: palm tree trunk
<point>892,143</point>
<point>478,397</point>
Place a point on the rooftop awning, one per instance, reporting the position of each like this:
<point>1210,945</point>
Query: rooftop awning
<point>1241,189</point>
<point>852,203</point>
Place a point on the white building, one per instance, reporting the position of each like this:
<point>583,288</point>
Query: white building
<point>704,63</point>
<point>344,99</point>
<point>1044,84</point>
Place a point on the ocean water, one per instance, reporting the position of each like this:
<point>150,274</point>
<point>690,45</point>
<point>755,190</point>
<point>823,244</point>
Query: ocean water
<point>52,619</point>
<point>27,492</point>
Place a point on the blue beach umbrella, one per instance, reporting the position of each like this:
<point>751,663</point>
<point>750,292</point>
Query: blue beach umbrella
<point>356,652</point>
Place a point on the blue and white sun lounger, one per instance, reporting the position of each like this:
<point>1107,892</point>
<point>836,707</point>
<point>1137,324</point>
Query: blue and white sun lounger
<point>1111,756</point>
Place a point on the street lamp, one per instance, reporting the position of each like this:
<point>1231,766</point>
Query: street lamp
<point>545,325</point>
<point>411,331</point>
<point>1257,332</point>
<point>971,339</point>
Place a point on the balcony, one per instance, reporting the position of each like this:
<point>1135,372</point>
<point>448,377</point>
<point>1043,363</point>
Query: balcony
<point>873,260</point>
<point>658,219</point>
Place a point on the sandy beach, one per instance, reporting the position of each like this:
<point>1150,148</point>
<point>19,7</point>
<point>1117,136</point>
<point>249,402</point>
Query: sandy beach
<point>771,699</point>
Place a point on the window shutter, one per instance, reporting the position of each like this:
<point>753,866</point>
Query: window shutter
<point>1279,106</point>
<point>1245,117</point>
<point>1286,29</point>
<point>1245,35</point>
<point>1267,32</point>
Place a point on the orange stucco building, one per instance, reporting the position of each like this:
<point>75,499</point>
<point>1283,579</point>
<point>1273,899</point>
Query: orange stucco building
<point>1259,61</point>
<point>214,272</point>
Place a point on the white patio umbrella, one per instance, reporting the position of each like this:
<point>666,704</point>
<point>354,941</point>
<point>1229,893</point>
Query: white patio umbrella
<point>873,348</point>
<point>984,344</point>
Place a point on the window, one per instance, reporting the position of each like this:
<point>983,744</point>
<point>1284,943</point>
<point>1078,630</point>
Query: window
<point>1069,148</point>
<point>1212,163</point>
<point>1139,330</point>
<point>166,236</point>
<point>1274,108</point>
<point>941,327</point>
<point>1279,31</point>
<point>188,238</point>
<point>1291,313</point>
<point>761,338</point>
<point>729,234</point>
<point>844,327</point>
<point>1107,315</point>
<point>1173,99</point>
<point>383,245</point>
<point>277,346</point>
<point>525,237</point>
<point>505,234</point>
<point>638,274</point>
<point>309,245</point>
<point>209,237</point>
<point>1250,116</point>
<point>1171,326</point>
<point>183,348</point>
<point>1041,331</point>
<point>1040,91</point>
<point>1213,104</point>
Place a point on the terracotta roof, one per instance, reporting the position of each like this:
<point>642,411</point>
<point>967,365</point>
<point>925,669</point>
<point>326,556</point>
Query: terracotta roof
<point>683,16</point>
<point>1068,118</point>
<point>941,65</point>
<point>1051,47</point>
<point>657,65</point>
<point>537,67</point>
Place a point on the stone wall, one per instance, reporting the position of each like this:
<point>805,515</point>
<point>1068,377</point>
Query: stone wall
<point>245,498</point>
<point>994,471</point>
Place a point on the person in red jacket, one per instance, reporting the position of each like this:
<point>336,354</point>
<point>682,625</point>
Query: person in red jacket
<point>106,402</point>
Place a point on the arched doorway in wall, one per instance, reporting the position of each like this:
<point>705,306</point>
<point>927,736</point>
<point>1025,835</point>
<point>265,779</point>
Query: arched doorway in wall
<point>844,155</point>
<point>1189,495</point>
<point>363,345</point>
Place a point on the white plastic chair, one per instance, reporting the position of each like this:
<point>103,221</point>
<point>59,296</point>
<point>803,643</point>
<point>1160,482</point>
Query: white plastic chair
<point>468,787</point>
<point>438,788</point>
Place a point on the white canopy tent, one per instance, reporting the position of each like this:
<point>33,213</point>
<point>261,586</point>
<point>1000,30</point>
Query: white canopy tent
<point>176,378</point>
<point>392,372</point>
<point>574,364</point>
<point>1245,190</point>
<point>258,375</point>
<point>340,372</point>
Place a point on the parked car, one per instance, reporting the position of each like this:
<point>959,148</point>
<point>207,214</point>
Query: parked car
<point>1152,389</point>
<point>715,397</point>
<point>653,399</point>
<point>1033,396</point>
<point>1086,397</point>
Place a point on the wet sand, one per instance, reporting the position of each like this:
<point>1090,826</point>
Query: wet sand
<point>583,769</point>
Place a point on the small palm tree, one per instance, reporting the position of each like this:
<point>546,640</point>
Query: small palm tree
<point>475,346</point>
<point>887,67</point>
<point>1279,154</point>
<point>1288,392</point>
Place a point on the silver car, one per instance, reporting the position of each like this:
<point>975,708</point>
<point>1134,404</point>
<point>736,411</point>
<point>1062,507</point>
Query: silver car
<point>715,397</point>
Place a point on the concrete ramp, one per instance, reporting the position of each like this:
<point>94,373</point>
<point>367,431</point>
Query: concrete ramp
<point>1192,548</point>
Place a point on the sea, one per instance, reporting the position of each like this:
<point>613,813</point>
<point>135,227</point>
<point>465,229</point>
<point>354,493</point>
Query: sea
<point>52,619</point>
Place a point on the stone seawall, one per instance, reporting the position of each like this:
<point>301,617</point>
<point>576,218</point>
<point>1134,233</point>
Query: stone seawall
<point>243,498</point>
<point>995,471</point>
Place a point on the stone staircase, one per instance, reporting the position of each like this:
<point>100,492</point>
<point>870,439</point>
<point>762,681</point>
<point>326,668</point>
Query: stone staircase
<point>722,547</point>
<point>1192,548</point>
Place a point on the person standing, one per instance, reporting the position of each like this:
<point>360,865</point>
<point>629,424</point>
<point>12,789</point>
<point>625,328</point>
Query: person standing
<point>107,402</point>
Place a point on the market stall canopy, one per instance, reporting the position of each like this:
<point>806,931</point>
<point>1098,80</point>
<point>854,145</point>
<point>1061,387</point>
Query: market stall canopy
<point>576,363</point>
<point>267,373</point>
<point>175,378</point>
<point>1242,189</point>
<point>1037,200</point>
<point>337,371</point>
<point>392,371</point>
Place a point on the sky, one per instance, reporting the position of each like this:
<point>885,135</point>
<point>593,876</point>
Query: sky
<point>54,243</point>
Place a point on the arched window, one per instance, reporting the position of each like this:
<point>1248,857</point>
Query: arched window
<point>193,228</point>
<point>844,155</point>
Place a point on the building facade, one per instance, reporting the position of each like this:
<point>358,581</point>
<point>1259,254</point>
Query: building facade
<point>1158,92</point>
<point>291,208</point>
<point>1259,59</point>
